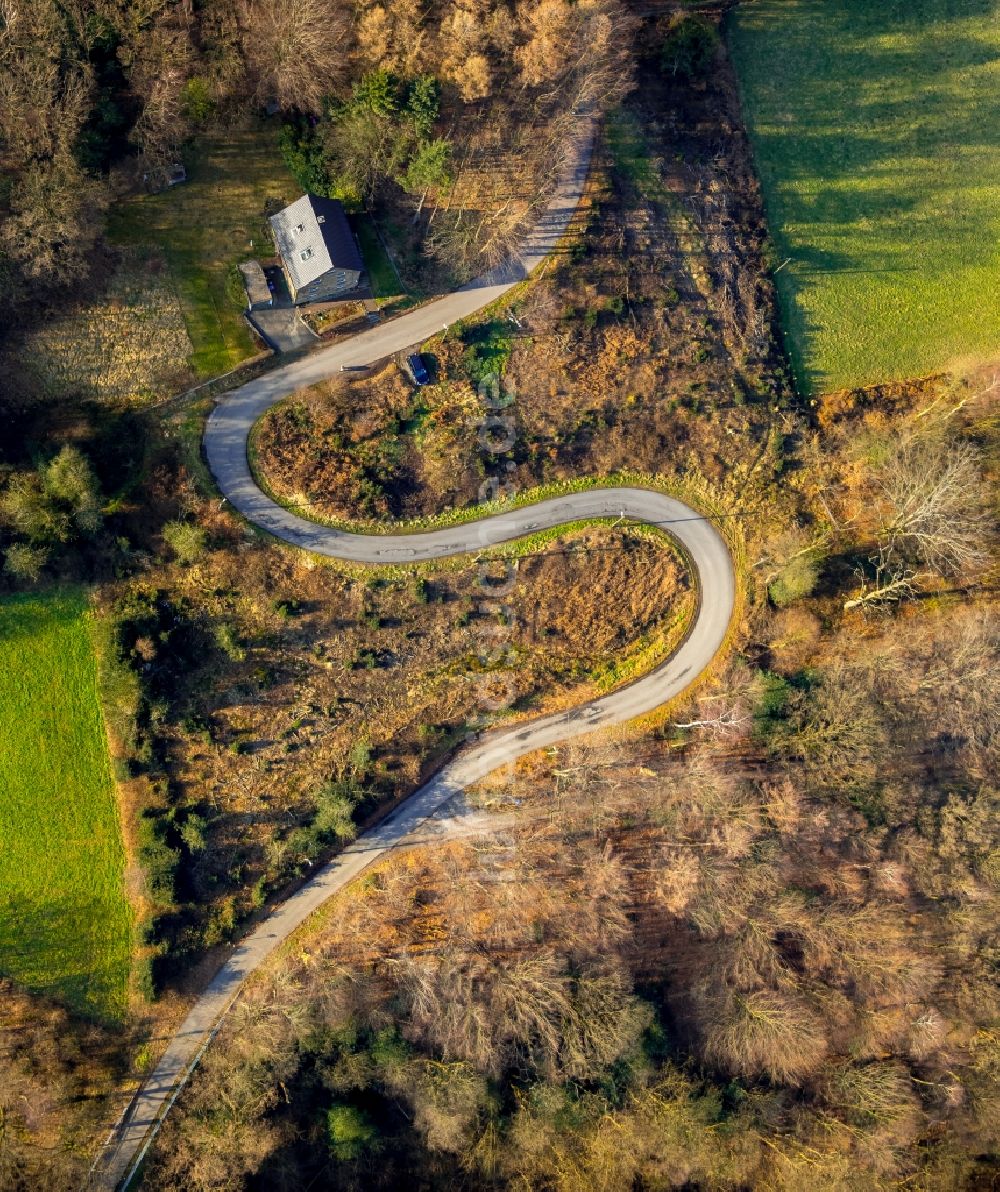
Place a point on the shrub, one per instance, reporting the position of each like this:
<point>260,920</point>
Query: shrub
<point>186,539</point>
<point>428,167</point>
<point>377,92</point>
<point>57,503</point>
<point>121,691</point>
<point>771,703</point>
<point>488,348</point>
<point>302,150</point>
<point>159,860</point>
<point>196,100</point>
<point>145,983</point>
<point>334,818</point>
<point>222,922</point>
<point>25,562</point>
<point>364,659</point>
<point>423,103</point>
<point>776,450</point>
<point>349,1132</point>
<point>360,756</point>
<point>228,641</point>
<point>192,832</point>
<point>301,845</point>
<point>690,46</point>
<point>797,579</point>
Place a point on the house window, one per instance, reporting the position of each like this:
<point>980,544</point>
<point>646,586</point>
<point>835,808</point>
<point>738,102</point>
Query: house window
<point>306,253</point>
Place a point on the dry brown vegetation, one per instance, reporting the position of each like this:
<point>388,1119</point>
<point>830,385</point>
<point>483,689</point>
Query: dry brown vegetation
<point>753,949</point>
<point>646,347</point>
<point>270,676</point>
<point>541,61</point>
<point>55,1073</point>
<point>360,682</point>
<point>708,963</point>
<point>126,347</point>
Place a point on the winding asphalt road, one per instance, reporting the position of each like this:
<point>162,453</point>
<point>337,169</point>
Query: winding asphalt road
<point>226,449</point>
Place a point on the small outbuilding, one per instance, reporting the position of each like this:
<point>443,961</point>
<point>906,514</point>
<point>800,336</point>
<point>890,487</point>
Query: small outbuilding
<point>318,252</point>
<point>258,291</point>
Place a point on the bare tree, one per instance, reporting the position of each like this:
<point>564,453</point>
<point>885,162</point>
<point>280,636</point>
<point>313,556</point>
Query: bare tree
<point>161,58</point>
<point>296,50</point>
<point>762,1032</point>
<point>56,220</point>
<point>837,728</point>
<point>726,720</point>
<point>464,46</point>
<point>526,1011</point>
<point>879,1099</point>
<point>447,1099</point>
<point>934,504</point>
<point>394,37</point>
<point>582,50</point>
<point>43,99</point>
<point>950,675</point>
<point>889,581</point>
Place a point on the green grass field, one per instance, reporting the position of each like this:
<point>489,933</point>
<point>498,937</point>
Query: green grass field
<point>382,273</point>
<point>876,130</point>
<point>205,227</point>
<point>65,923</point>
<point>393,296</point>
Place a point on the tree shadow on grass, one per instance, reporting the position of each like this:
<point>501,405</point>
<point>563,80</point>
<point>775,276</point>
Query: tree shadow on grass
<point>52,948</point>
<point>858,113</point>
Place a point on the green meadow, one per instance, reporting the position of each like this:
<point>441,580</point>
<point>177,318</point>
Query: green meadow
<point>65,923</point>
<point>876,131</point>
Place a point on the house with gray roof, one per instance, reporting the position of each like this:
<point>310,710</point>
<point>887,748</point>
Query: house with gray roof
<point>318,252</point>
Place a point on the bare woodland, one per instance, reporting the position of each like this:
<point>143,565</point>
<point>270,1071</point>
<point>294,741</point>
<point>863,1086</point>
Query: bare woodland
<point>711,968</point>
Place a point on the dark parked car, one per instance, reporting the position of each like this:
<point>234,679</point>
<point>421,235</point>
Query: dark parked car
<point>418,370</point>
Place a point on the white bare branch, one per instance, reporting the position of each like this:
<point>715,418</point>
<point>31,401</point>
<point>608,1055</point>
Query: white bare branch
<point>934,505</point>
<point>891,582</point>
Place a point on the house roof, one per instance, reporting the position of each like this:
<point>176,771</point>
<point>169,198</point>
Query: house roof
<point>313,236</point>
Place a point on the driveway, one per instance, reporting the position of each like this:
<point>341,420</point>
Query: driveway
<point>281,326</point>
<point>226,450</point>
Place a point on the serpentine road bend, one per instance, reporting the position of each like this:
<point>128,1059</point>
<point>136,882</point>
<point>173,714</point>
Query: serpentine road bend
<point>226,449</point>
